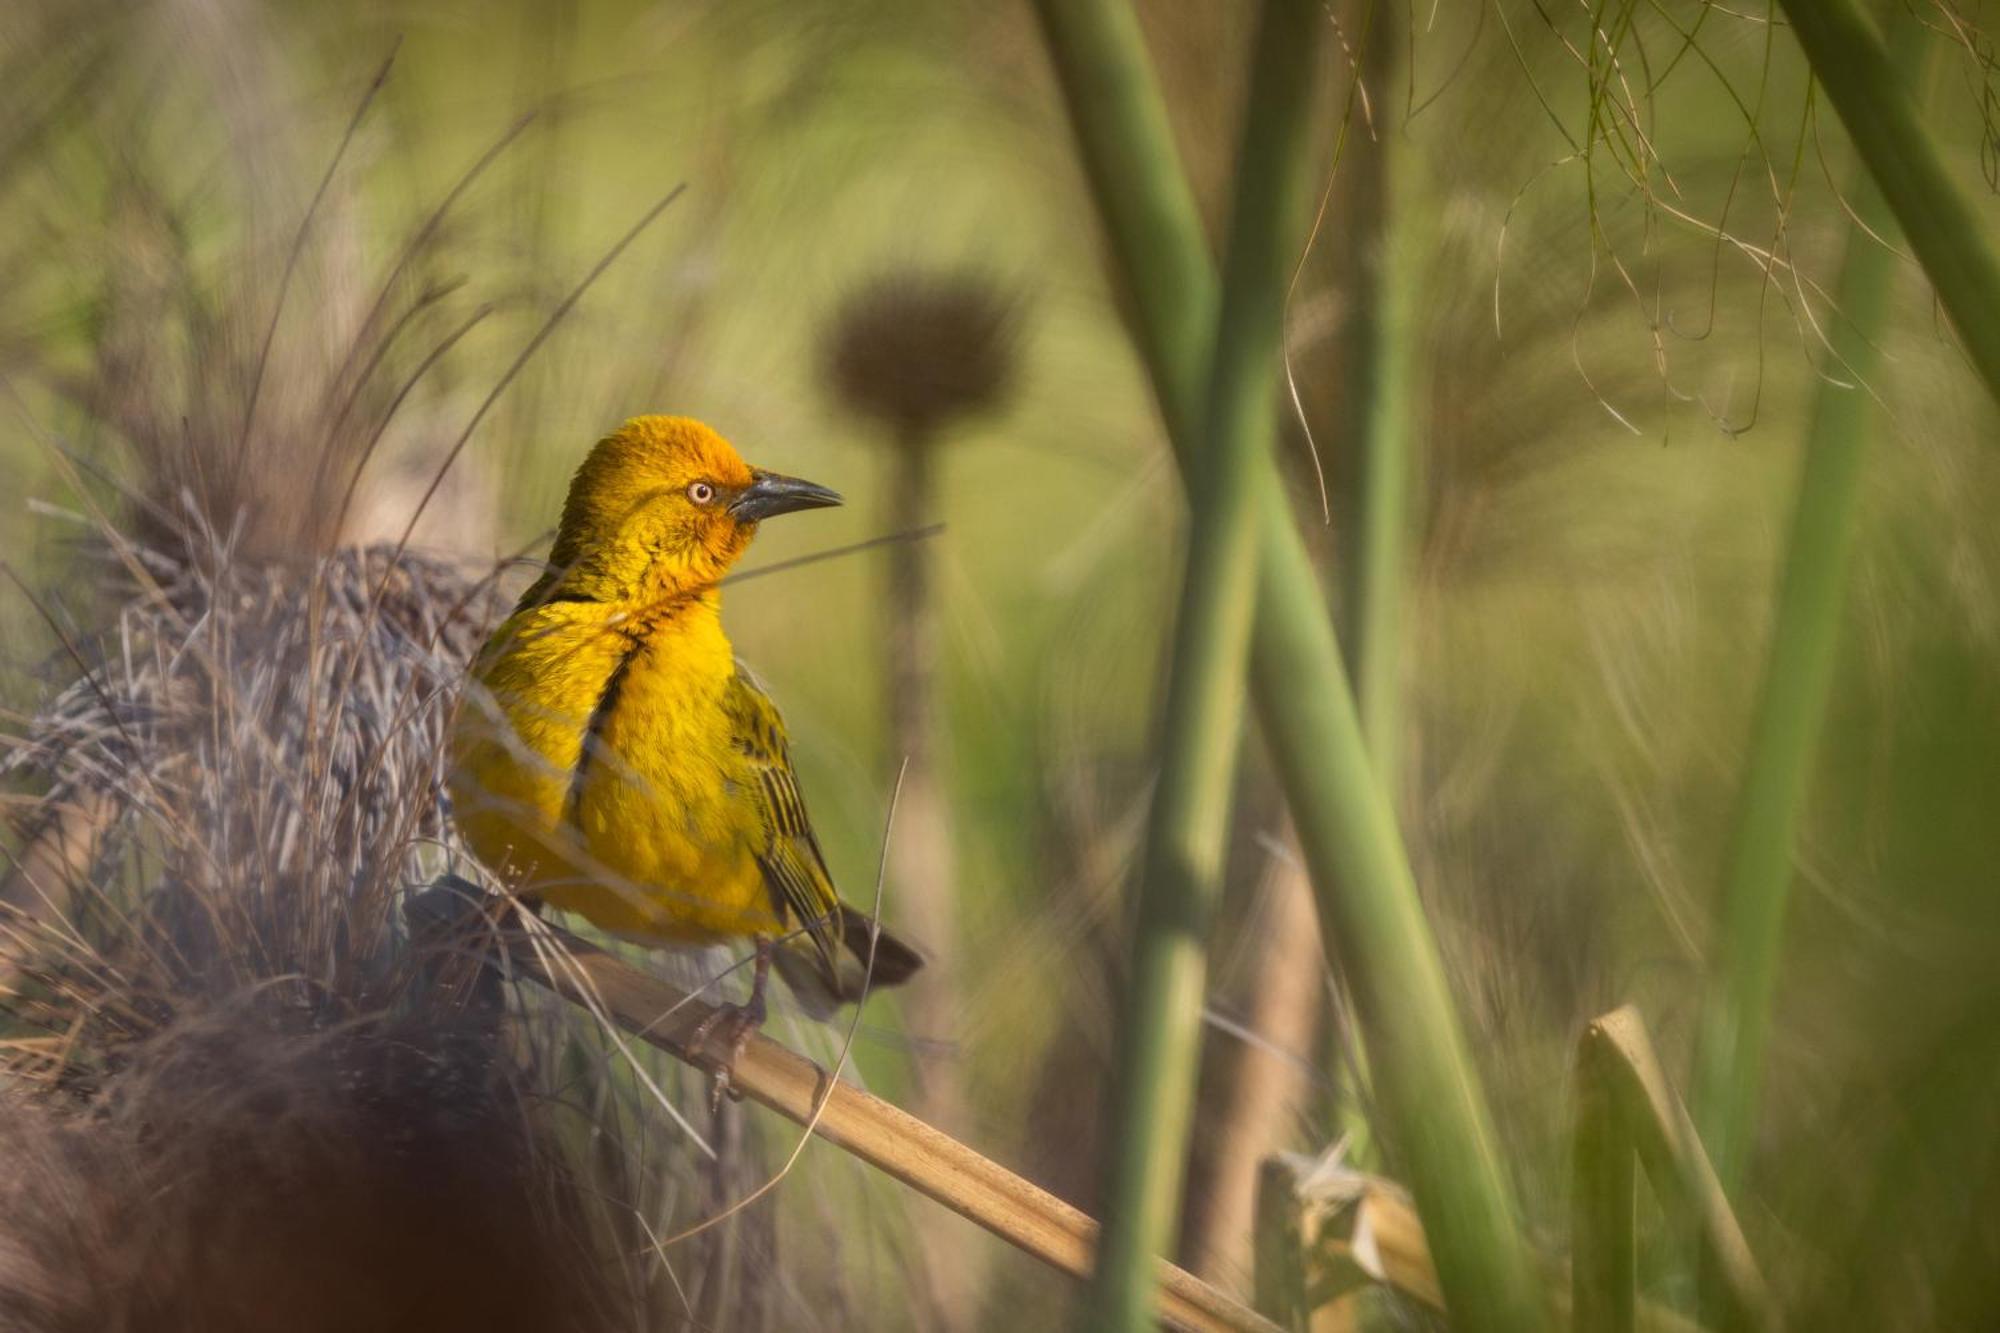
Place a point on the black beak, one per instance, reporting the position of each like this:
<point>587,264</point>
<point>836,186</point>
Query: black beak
<point>769,494</point>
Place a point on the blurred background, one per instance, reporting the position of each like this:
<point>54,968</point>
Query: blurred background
<point>1600,245</point>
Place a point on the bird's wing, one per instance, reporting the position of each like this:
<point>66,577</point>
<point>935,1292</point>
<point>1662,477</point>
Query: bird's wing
<point>790,858</point>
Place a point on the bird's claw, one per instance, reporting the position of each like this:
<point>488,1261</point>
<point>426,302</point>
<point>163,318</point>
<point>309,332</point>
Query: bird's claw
<point>736,1023</point>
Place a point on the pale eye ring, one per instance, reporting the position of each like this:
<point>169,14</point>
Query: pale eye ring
<point>701,493</point>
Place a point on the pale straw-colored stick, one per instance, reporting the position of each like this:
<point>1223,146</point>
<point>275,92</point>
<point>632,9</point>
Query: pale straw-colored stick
<point>893,1141</point>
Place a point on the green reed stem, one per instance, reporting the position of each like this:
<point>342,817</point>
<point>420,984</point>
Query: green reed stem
<point>1376,439</point>
<point>1875,105</point>
<point>1375,551</point>
<point>1798,677</point>
<point>1188,835</point>
<point>1374,924</point>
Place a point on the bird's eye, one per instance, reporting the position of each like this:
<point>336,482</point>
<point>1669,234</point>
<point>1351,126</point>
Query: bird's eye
<point>701,492</point>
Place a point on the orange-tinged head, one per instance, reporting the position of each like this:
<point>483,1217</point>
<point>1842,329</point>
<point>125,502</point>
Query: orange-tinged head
<point>665,505</point>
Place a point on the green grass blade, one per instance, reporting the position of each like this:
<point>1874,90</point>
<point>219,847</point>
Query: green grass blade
<point>1382,419</point>
<point>1374,924</point>
<point>1188,834</point>
<point>1875,105</point>
<point>1792,698</point>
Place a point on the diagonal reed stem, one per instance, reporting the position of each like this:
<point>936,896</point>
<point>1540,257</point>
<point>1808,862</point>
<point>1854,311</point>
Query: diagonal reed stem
<point>1875,105</point>
<point>1370,916</point>
<point>1798,677</point>
<point>1188,833</point>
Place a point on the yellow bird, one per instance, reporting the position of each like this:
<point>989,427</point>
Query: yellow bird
<point>612,758</point>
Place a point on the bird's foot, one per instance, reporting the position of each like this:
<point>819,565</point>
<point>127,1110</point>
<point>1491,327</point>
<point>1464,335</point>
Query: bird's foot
<point>733,1024</point>
<point>736,1022</point>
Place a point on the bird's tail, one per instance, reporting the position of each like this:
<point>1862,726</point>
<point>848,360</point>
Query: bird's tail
<point>870,958</point>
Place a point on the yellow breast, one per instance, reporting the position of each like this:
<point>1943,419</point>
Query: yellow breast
<point>593,765</point>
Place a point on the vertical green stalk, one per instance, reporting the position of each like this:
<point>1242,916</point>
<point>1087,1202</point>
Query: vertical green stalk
<point>1188,834</point>
<point>1374,563</point>
<point>1376,427</point>
<point>1798,676</point>
<point>1378,566</point>
<point>1874,104</point>
<point>1374,926</point>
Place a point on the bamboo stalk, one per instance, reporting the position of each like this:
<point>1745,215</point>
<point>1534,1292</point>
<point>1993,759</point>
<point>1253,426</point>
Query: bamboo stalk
<point>894,1142</point>
<point>1370,915</point>
<point>1874,103</point>
<point>1188,832</point>
<point>1797,680</point>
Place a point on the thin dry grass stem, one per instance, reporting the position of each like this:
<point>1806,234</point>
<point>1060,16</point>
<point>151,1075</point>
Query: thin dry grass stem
<point>1622,80</point>
<point>219,397</point>
<point>1357,93</point>
<point>69,466</point>
<point>298,249</point>
<point>507,377</point>
<point>896,1143</point>
<point>409,384</point>
<point>232,870</point>
<point>57,856</point>
<point>109,774</point>
<point>922,534</point>
<point>345,382</point>
<point>846,1043</point>
<point>196,733</point>
<point>527,352</point>
<point>548,944</point>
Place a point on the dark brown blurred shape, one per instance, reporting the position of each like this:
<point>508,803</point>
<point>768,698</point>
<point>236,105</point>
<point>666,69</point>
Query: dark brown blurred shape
<point>919,351</point>
<point>248,1107</point>
<point>236,1176</point>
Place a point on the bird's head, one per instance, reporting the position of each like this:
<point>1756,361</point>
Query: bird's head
<point>665,505</point>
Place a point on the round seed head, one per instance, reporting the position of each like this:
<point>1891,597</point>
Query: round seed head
<point>918,351</point>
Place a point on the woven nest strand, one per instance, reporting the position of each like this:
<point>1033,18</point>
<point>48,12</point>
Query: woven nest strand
<point>248,1108</point>
<point>258,750</point>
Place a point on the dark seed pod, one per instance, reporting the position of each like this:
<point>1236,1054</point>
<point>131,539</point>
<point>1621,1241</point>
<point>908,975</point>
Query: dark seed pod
<point>918,351</point>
